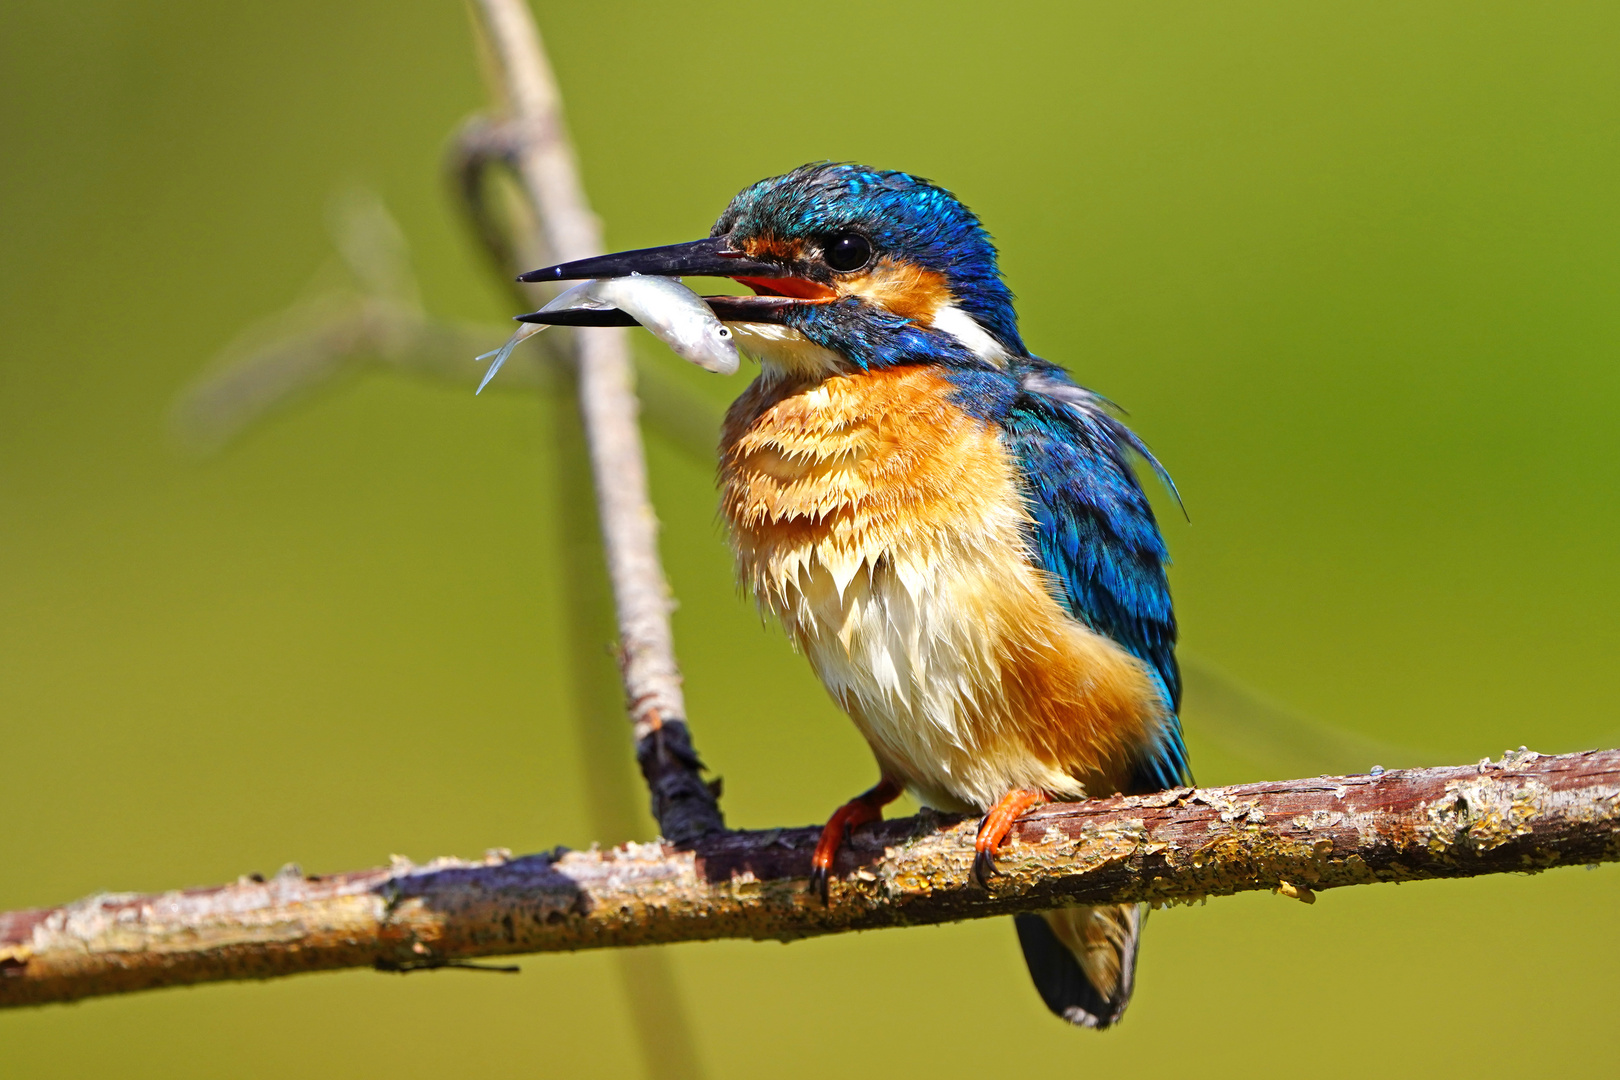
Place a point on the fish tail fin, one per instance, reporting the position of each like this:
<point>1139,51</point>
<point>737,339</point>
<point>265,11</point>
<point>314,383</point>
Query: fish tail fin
<point>522,333</point>
<point>1083,959</point>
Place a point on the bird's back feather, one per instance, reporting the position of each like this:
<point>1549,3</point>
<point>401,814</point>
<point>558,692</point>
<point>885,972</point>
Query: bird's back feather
<point>1096,535</point>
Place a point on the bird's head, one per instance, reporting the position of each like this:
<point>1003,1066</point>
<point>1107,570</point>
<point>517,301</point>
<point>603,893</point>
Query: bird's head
<point>850,266</point>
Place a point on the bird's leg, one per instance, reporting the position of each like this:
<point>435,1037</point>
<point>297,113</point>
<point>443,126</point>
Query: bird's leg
<point>995,827</point>
<point>865,807</point>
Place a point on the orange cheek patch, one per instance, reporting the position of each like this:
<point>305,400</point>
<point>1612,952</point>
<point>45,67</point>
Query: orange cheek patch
<point>903,288</point>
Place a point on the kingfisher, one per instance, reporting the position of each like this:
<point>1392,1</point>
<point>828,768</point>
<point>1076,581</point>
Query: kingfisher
<point>948,527</point>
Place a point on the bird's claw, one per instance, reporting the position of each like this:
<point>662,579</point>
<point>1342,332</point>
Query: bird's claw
<point>821,884</point>
<point>994,829</point>
<point>864,808</point>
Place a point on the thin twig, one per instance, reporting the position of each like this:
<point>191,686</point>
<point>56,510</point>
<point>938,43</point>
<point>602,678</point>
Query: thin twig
<point>543,162</point>
<point>1525,813</point>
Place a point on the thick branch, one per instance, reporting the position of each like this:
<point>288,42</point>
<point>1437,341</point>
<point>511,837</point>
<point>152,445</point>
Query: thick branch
<point>1525,813</point>
<point>543,162</point>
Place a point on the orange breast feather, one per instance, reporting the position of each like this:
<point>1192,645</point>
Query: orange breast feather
<point>884,528</point>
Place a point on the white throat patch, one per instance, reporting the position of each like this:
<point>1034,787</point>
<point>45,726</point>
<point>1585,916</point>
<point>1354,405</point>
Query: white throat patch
<point>782,350</point>
<point>974,338</point>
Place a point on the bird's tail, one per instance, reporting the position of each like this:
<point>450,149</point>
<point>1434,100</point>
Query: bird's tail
<point>1083,959</point>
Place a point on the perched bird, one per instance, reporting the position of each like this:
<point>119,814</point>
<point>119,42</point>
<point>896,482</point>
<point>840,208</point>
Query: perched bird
<point>948,527</point>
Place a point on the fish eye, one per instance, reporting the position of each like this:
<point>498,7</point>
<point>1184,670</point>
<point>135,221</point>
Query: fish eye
<point>724,332</point>
<point>847,251</point>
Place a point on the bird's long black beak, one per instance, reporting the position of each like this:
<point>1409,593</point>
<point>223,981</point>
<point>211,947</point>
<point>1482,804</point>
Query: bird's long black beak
<point>713,257</point>
<point>762,309</point>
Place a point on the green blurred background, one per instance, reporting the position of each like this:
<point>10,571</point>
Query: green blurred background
<point>1354,270</point>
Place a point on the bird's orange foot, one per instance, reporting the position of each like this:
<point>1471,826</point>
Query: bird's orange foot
<point>995,827</point>
<point>863,808</point>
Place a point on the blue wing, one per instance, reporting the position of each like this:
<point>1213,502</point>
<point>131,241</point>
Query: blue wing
<point>1096,535</point>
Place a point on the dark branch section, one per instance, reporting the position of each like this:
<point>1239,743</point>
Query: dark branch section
<point>1525,813</point>
<point>684,806</point>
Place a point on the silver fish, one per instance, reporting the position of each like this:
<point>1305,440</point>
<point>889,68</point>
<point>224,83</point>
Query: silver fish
<point>676,315</point>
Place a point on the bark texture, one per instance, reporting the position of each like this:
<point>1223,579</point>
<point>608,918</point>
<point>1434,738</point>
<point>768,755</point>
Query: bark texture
<point>1525,813</point>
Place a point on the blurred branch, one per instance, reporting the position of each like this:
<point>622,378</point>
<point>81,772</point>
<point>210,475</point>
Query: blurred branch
<point>1525,813</point>
<point>372,319</point>
<point>341,328</point>
<point>1271,739</point>
<point>508,234</point>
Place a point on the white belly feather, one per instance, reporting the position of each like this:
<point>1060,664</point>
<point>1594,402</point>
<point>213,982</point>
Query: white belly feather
<point>913,655</point>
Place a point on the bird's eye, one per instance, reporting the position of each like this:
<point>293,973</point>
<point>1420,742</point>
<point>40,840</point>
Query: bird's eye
<point>848,251</point>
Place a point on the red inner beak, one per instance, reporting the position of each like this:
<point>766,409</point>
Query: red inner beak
<point>797,288</point>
